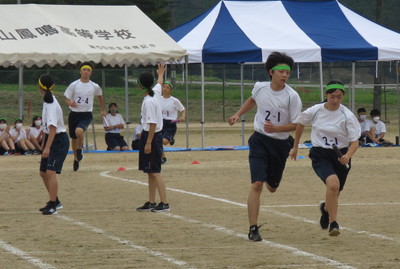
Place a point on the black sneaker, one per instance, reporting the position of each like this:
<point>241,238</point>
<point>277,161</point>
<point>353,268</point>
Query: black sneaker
<point>172,141</point>
<point>324,220</point>
<point>146,207</point>
<point>79,156</point>
<point>43,208</point>
<point>163,160</point>
<point>49,210</point>
<point>334,229</point>
<point>254,235</point>
<point>76,165</point>
<point>161,207</point>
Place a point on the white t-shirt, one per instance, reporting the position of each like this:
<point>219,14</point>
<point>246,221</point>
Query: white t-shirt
<point>138,130</point>
<point>22,134</point>
<point>34,132</point>
<point>114,120</point>
<point>365,125</point>
<point>52,115</point>
<point>82,93</point>
<point>151,110</point>
<point>338,127</point>
<point>170,107</point>
<point>2,132</point>
<point>280,107</point>
<point>380,127</point>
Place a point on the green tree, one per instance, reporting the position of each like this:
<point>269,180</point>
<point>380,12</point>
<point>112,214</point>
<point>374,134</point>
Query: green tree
<point>157,10</point>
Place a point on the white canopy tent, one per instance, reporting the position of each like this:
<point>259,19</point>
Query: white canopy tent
<point>40,35</point>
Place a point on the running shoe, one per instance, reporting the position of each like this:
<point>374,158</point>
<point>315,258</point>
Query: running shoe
<point>49,210</point>
<point>163,160</point>
<point>254,234</point>
<point>146,207</point>
<point>76,165</point>
<point>161,207</point>
<point>334,229</point>
<point>324,220</point>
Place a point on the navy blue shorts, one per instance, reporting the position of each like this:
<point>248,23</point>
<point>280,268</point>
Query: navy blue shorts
<point>151,163</point>
<point>78,120</point>
<point>58,153</point>
<point>267,158</point>
<point>169,129</point>
<point>325,163</point>
<point>115,140</point>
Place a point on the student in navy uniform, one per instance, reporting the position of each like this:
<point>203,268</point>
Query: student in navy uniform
<point>79,97</point>
<point>56,144</point>
<point>150,148</point>
<point>332,123</point>
<point>277,107</point>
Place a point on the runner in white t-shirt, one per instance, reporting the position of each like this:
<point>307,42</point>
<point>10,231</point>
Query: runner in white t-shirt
<point>56,144</point>
<point>332,124</point>
<point>79,97</point>
<point>170,107</point>
<point>150,148</point>
<point>277,107</point>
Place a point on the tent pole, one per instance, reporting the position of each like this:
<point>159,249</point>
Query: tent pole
<point>202,105</point>
<point>186,79</point>
<point>21,91</point>
<point>353,87</point>
<point>127,106</point>
<point>242,97</point>
<point>321,81</point>
<point>398,96</point>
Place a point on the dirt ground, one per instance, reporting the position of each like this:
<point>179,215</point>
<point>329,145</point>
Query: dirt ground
<point>207,225</point>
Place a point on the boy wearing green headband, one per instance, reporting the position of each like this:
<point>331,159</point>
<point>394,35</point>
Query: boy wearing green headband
<point>79,97</point>
<point>277,107</point>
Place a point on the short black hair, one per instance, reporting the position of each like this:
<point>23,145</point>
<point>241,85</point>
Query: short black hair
<point>361,109</point>
<point>375,112</point>
<point>276,58</point>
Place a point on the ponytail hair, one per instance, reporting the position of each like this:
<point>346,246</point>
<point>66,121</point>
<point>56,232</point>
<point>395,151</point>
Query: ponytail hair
<point>146,81</point>
<point>46,83</point>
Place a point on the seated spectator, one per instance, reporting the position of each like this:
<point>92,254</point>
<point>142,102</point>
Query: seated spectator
<point>364,123</point>
<point>136,137</point>
<point>377,129</point>
<point>35,133</point>
<point>6,144</point>
<point>20,140</point>
<point>113,123</point>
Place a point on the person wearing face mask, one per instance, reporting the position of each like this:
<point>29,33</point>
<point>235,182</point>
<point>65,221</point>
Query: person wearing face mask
<point>35,133</point>
<point>6,144</point>
<point>364,123</point>
<point>20,139</point>
<point>113,123</point>
<point>377,129</point>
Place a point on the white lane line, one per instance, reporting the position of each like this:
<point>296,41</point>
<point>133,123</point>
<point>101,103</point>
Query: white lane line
<point>344,204</point>
<point>126,242</point>
<point>373,235</point>
<point>25,256</point>
<point>290,249</point>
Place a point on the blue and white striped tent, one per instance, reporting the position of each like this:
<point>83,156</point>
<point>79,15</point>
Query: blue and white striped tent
<point>248,31</point>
